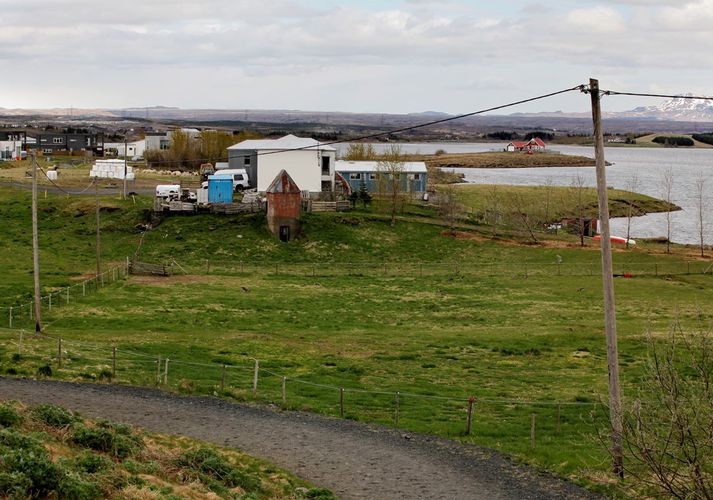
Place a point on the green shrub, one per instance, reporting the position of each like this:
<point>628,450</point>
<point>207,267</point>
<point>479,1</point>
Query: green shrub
<point>673,141</point>
<point>14,440</point>
<point>74,487</point>
<point>14,484</point>
<point>44,371</point>
<point>320,494</point>
<point>91,463</point>
<point>43,475</point>
<point>9,416</point>
<point>211,465</point>
<point>54,416</point>
<point>107,440</point>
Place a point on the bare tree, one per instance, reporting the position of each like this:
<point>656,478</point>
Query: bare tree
<point>523,213</point>
<point>701,206</point>
<point>631,186</point>
<point>448,205</point>
<point>667,430</point>
<point>549,184</point>
<point>494,208</point>
<point>359,151</point>
<point>390,169</point>
<point>666,192</point>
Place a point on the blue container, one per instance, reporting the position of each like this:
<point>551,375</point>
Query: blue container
<point>220,189</point>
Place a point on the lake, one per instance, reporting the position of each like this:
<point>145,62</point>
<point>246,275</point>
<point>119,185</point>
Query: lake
<point>647,164</point>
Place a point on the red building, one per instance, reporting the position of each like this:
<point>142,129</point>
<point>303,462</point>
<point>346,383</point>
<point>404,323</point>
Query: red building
<point>284,202</point>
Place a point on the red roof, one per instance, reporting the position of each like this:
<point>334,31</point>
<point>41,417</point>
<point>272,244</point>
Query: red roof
<point>537,141</point>
<point>519,144</point>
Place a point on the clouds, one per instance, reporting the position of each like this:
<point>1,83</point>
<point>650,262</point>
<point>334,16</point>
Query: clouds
<point>306,52</point>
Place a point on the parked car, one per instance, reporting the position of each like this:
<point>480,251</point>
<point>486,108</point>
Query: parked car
<point>239,176</point>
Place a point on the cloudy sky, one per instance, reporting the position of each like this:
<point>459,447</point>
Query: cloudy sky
<point>352,55</point>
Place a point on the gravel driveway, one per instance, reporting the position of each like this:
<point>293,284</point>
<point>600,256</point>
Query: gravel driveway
<point>352,459</point>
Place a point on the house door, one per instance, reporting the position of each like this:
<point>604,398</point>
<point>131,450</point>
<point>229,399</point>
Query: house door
<point>284,233</point>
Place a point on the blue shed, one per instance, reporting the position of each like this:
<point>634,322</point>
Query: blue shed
<point>220,189</point>
<point>413,177</point>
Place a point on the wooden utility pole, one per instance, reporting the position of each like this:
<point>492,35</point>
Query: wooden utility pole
<point>98,222</point>
<point>126,152</point>
<point>608,282</point>
<point>35,249</point>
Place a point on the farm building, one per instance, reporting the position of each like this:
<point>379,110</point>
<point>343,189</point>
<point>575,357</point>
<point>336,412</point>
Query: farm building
<point>70,144</point>
<point>534,144</point>
<point>307,161</point>
<point>133,148</point>
<point>414,175</point>
<point>284,202</point>
<point>12,145</point>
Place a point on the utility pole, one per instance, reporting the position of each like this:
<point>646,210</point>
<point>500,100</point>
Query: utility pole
<point>98,244</point>
<point>35,249</point>
<point>126,152</point>
<point>608,282</point>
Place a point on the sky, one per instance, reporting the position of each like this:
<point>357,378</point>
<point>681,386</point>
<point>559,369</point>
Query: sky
<point>389,56</point>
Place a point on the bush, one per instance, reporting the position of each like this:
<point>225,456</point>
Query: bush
<point>43,475</point>
<point>44,371</point>
<point>9,416</point>
<point>107,440</point>
<point>673,141</point>
<point>14,440</point>
<point>54,416</point>
<point>704,138</point>
<point>91,463</point>
<point>74,487</point>
<point>14,484</point>
<point>209,464</point>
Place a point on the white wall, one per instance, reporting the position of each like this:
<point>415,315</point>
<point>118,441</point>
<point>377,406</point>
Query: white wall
<point>305,168</point>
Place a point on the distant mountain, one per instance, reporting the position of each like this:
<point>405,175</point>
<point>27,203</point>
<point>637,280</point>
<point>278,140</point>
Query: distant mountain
<point>678,109</point>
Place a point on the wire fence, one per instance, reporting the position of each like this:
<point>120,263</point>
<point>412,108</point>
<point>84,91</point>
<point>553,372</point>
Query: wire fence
<point>24,313</point>
<point>522,269</point>
<point>437,410</point>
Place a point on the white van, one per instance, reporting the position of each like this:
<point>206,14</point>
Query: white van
<point>239,175</point>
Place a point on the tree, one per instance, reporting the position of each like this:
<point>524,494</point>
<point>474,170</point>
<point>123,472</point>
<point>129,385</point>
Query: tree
<point>494,208</point>
<point>666,193</point>
<point>390,170</point>
<point>359,151</point>
<point>701,207</point>
<point>667,429</point>
<point>363,194</point>
<point>448,205</point>
<point>631,186</point>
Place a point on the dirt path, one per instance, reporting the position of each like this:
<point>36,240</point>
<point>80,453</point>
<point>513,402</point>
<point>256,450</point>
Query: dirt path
<point>352,459</point>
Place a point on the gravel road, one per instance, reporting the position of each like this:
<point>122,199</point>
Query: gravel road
<point>352,459</point>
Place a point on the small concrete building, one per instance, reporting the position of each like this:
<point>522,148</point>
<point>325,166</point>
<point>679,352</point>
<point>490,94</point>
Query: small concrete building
<point>284,203</point>
<point>413,176</point>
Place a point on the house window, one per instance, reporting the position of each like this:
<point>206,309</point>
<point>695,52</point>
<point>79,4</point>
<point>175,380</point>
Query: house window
<point>89,141</point>
<point>372,177</point>
<point>246,161</point>
<point>417,177</point>
<point>355,176</point>
<point>164,144</point>
<point>47,150</point>
<point>57,140</point>
<point>325,165</point>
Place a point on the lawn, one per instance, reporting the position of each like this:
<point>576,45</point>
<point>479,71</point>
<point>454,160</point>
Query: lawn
<point>356,304</point>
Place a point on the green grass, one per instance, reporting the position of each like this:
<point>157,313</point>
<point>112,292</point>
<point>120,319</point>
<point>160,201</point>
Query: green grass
<point>357,304</point>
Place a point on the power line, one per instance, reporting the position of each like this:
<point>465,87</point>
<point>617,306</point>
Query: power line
<point>62,189</point>
<point>580,88</point>
<point>665,96</point>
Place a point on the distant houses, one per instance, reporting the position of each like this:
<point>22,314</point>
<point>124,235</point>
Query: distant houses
<point>309,163</point>
<point>61,143</point>
<point>534,144</point>
<point>413,176</point>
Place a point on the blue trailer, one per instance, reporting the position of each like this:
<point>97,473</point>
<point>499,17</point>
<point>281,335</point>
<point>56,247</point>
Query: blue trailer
<point>220,189</point>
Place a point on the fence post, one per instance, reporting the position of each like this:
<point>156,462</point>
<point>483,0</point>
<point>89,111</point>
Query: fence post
<point>113,363</point>
<point>532,430</point>
<point>84,288</point>
<point>341,402</point>
<point>165,372</point>
<point>68,294</point>
<point>50,301</point>
<point>688,268</point>
<point>10,321</point>
<point>557,422</point>
<point>207,266</point>
<point>19,346</point>
<point>241,266</point>
<point>469,422</point>
<point>113,274</point>
<point>59,353</point>
<point>396,414</point>
<point>222,379</point>
<point>284,391</point>
<point>158,370</point>
<point>255,375</point>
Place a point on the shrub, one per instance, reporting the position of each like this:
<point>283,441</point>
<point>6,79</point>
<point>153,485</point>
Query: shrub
<point>54,416</point>
<point>44,371</point>
<point>91,463</point>
<point>107,440</point>
<point>74,487</point>
<point>43,475</point>
<point>704,138</point>
<point>9,416</point>
<point>14,484</point>
<point>209,464</point>
<point>673,141</point>
<point>14,440</point>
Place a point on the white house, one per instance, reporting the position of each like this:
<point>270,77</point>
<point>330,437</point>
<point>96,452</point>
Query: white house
<point>163,140</point>
<point>309,162</point>
<point>134,148</point>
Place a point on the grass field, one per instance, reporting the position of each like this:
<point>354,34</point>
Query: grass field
<point>359,305</point>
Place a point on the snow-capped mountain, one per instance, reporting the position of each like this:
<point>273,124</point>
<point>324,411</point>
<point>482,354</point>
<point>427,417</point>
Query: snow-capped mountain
<point>678,108</point>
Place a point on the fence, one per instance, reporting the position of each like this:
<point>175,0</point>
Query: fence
<point>457,268</point>
<point>63,296</point>
<point>530,423</point>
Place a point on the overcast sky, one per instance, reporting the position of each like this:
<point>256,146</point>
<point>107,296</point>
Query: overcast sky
<point>379,56</point>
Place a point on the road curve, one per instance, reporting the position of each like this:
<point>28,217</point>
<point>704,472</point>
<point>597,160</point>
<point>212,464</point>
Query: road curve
<point>352,459</point>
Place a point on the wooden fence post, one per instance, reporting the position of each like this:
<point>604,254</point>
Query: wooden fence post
<point>19,346</point>
<point>284,391</point>
<point>165,372</point>
<point>84,288</point>
<point>68,295</point>
<point>341,402</point>
<point>557,423</point>
<point>113,363</point>
<point>59,353</point>
<point>158,370</point>
<point>532,430</point>
<point>10,321</point>
<point>255,375</point>
<point>396,413</point>
<point>222,379</point>
<point>50,301</point>
<point>469,422</point>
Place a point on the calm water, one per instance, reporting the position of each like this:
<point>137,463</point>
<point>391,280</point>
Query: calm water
<point>648,164</point>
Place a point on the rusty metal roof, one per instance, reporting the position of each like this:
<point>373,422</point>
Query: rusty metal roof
<point>283,184</point>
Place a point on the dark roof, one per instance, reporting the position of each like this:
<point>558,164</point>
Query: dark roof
<point>283,184</point>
